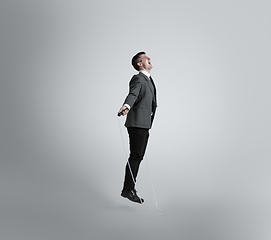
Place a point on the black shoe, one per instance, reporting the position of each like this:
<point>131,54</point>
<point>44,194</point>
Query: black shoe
<point>131,195</point>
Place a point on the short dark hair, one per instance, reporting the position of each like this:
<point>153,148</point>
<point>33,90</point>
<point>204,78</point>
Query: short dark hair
<point>136,60</point>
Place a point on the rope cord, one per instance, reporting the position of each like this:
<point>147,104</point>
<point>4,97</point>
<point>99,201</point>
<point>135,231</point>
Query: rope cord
<point>126,155</point>
<point>153,190</point>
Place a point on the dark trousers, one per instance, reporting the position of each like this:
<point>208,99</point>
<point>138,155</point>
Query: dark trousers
<point>138,138</point>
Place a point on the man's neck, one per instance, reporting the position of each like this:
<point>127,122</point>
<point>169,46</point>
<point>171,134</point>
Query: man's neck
<point>147,70</point>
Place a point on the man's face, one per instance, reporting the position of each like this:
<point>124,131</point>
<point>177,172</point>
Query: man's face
<point>145,63</point>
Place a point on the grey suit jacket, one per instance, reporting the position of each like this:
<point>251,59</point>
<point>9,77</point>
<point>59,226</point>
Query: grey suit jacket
<point>142,100</point>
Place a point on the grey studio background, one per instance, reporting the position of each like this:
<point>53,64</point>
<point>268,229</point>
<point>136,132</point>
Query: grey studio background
<point>65,68</point>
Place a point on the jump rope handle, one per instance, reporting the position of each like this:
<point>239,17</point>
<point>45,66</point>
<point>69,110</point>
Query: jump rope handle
<point>120,113</point>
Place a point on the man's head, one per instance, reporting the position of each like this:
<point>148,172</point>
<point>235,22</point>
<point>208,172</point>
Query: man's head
<point>141,62</point>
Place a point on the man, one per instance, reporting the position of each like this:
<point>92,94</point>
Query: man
<point>140,106</point>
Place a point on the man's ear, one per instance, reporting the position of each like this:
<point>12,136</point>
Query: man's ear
<point>139,64</point>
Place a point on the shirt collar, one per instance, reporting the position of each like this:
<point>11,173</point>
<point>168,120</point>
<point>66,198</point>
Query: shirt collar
<point>146,73</point>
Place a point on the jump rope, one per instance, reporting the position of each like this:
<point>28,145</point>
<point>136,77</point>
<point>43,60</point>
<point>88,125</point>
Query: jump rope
<point>149,173</point>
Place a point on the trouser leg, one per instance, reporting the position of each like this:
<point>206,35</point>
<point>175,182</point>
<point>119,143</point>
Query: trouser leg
<point>138,138</point>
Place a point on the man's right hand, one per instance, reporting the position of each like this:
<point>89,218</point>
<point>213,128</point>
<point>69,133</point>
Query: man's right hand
<point>123,108</point>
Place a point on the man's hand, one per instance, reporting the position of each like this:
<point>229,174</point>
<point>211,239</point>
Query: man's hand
<point>123,108</point>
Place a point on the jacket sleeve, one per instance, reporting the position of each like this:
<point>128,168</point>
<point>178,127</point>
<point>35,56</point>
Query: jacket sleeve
<point>134,90</point>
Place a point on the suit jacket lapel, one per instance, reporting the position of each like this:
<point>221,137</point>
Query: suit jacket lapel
<point>149,83</point>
